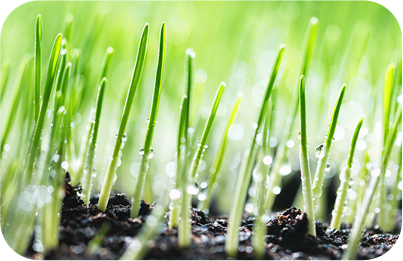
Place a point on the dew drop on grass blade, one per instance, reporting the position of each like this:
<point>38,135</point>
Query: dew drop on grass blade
<point>113,163</point>
<point>147,152</point>
<point>242,184</point>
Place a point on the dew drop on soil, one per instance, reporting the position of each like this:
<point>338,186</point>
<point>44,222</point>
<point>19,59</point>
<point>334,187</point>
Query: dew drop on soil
<point>319,151</point>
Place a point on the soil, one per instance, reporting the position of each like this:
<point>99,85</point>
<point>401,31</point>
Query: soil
<point>286,236</point>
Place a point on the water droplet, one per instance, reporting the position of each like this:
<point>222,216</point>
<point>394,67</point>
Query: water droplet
<point>170,169</point>
<point>205,146</point>
<point>254,126</point>
<point>327,169</point>
<point>249,207</point>
<point>124,138</point>
<point>192,190</point>
<point>65,165</point>
<point>299,135</point>
<point>174,194</point>
<point>273,142</point>
<point>276,190</point>
<point>285,170</point>
<point>267,160</point>
<point>316,192</point>
<point>141,152</point>
<point>6,147</point>
<point>56,157</point>
<point>202,197</point>
<point>151,153</point>
<point>375,173</point>
<point>319,151</point>
<point>290,143</point>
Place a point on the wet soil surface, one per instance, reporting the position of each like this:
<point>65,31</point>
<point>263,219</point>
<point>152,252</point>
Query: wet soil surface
<point>286,236</point>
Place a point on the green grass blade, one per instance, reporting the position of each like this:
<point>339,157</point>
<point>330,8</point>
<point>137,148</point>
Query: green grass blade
<point>345,177</point>
<point>242,184</point>
<point>147,153</point>
<point>38,65</point>
<point>33,146</point>
<point>190,55</point>
<point>387,94</point>
<point>304,161</point>
<point>113,164</point>
<point>395,192</point>
<point>180,165</point>
<point>216,167</point>
<point>324,151</point>
<point>189,180</point>
<point>106,62</point>
<point>281,155</point>
<point>89,172</point>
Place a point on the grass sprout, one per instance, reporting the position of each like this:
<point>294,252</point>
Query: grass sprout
<point>304,161</point>
<point>345,180</point>
<point>242,184</point>
<point>113,163</point>
<point>38,65</point>
<point>188,181</point>
<point>146,153</point>
<point>323,151</point>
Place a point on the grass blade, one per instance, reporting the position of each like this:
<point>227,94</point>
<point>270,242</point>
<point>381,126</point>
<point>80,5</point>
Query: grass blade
<point>304,161</point>
<point>38,65</point>
<point>345,177</point>
<point>4,78</point>
<point>113,163</point>
<point>188,181</point>
<point>323,150</point>
<point>89,172</point>
<point>232,241</point>
<point>147,152</point>
<point>216,167</point>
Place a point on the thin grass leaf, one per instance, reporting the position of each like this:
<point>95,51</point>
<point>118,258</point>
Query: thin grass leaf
<point>232,240</point>
<point>180,165</point>
<point>304,161</point>
<point>188,182</point>
<point>345,177</point>
<point>395,192</point>
<point>282,150</point>
<point>216,167</point>
<point>323,150</point>
<point>387,94</point>
<point>38,65</point>
<point>33,147</point>
<point>89,172</point>
<point>113,163</point>
<point>146,152</point>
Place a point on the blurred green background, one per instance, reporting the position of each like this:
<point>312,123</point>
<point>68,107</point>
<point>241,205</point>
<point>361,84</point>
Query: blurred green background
<point>234,42</point>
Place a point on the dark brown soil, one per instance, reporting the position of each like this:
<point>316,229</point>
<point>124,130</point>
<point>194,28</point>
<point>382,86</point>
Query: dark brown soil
<point>286,236</point>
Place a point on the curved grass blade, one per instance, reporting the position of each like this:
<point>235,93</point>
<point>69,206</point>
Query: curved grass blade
<point>281,155</point>
<point>113,163</point>
<point>358,225</point>
<point>345,177</point>
<point>323,150</point>
<point>304,161</point>
<point>387,103</point>
<point>34,144</point>
<point>38,65</point>
<point>188,181</point>
<point>89,172</point>
<point>216,167</point>
<point>242,184</point>
<point>147,152</point>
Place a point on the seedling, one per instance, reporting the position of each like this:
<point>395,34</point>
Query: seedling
<point>113,163</point>
<point>232,240</point>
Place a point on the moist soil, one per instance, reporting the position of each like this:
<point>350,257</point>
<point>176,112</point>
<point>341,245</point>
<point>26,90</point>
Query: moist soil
<point>286,236</point>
